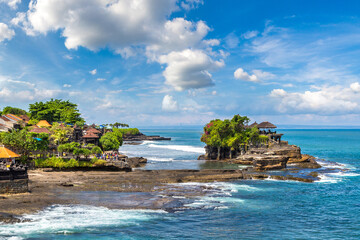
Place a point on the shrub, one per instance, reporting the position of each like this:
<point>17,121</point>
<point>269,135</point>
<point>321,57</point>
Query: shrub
<point>99,163</point>
<point>96,150</point>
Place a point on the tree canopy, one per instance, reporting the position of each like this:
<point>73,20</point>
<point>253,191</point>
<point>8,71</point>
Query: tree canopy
<point>13,110</point>
<point>229,133</point>
<point>55,110</point>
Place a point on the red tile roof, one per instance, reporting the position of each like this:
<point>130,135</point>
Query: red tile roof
<point>90,135</point>
<point>39,130</point>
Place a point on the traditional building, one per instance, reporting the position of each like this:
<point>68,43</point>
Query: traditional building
<point>43,123</point>
<point>90,137</point>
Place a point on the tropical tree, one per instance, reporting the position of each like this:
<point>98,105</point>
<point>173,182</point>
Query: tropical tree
<point>96,150</point>
<point>60,133</point>
<point>13,110</point>
<point>55,111</point>
<point>109,141</point>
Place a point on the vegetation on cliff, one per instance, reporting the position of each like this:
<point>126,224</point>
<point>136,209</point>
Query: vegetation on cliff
<point>230,136</point>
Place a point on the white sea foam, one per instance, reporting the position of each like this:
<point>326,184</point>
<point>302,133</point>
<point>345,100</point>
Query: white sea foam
<point>147,142</point>
<point>184,148</point>
<point>63,219</point>
<point>344,174</point>
<point>160,159</point>
<point>324,178</point>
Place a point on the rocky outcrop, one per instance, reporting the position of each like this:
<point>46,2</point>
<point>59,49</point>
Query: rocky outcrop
<point>305,161</point>
<point>262,162</point>
<point>136,162</point>
<point>143,137</point>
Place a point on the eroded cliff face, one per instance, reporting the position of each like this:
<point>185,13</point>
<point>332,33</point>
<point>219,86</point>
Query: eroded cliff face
<point>277,156</point>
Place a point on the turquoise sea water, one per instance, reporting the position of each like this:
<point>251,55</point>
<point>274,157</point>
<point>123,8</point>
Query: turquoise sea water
<point>327,209</point>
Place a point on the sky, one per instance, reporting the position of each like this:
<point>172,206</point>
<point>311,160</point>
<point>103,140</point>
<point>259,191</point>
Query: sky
<point>185,62</point>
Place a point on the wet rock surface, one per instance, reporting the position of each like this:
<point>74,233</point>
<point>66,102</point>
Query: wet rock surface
<point>142,137</point>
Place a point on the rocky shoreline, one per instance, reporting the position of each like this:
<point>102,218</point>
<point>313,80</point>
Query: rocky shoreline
<point>142,137</point>
<point>51,186</point>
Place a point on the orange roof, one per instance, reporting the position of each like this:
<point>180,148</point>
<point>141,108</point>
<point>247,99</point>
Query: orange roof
<point>43,123</point>
<point>6,153</point>
<point>12,117</point>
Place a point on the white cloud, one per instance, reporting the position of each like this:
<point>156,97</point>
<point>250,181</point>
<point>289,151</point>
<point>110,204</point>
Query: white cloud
<point>66,85</point>
<point>169,104</point>
<point>257,75</point>
<point>250,34</point>
<point>189,69</point>
<point>214,93</point>
<point>11,3</point>
<point>100,79</point>
<point>93,72</point>
<point>241,74</point>
<point>322,100</point>
<point>190,4</point>
<point>129,27</point>
<point>355,87</point>
<point>5,32</point>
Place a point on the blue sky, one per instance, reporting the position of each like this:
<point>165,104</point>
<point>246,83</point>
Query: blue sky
<point>185,62</point>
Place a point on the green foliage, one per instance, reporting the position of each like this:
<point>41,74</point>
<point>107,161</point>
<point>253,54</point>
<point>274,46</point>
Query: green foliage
<point>55,111</point>
<point>60,163</point>
<point>96,150</point>
<point>117,125</point>
<point>229,133</point>
<point>99,163</point>
<point>127,131</point>
<point>60,133</point>
<point>24,142</point>
<point>13,110</point>
<point>93,160</point>
<point>109,141</point>
<point>119,135</point>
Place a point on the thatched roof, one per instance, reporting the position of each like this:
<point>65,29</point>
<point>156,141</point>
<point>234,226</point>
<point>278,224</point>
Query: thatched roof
<point>6,153</point>
<point>255,124</point>
<point>266,125</point>
<point>43,123</point>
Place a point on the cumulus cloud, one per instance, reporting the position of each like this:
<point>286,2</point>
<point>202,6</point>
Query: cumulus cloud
<point>257,75</point>
<point>11,3</point>
<point>322,100</point>
<point>241,74</point>
<point>100,79</point>
<point>189,69</point>
<point>66,85</point>
<point>169,104</point>
<point>129,27</point>
<point>5,32</point>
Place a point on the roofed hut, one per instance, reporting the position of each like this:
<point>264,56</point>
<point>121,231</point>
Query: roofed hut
<point>43,123</point>
<point>255,124</point>
<point>272,135</point>
<point>7,155</point>
<point>91,137</point>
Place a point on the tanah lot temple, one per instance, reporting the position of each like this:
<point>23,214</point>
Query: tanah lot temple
<point>265,128</point>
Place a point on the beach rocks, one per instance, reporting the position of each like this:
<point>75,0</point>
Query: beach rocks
<point>136,161</point>
<point>262,162</point>
<point>143,137</point>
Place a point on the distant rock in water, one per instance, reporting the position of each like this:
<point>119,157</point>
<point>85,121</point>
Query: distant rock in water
<point>143,137</point>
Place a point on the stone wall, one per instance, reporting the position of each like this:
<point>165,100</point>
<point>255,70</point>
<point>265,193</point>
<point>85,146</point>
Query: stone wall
<point>14,186</point>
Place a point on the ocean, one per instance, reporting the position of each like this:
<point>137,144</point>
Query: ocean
<point>268,209</point>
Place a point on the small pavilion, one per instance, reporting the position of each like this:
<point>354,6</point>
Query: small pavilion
<point>265,128</point>
<point>43,123</point>
<point>91,137</point>
<point>7,155</point>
